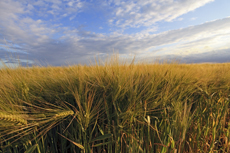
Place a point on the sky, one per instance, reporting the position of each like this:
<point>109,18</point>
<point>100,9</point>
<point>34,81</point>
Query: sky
<point>68,32</point>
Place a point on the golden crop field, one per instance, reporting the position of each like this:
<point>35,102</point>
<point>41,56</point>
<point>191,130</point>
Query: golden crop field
<point>115,108</point>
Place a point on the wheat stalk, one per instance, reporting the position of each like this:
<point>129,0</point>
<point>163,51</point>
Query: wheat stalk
<point>64,114</point>
<point>12,118</point>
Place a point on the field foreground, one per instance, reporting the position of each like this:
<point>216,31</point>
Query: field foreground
<point>115,108</point>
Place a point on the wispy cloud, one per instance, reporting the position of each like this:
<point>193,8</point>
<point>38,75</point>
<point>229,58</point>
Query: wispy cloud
<point>135,13</point>
<point>194,18</point>
<point>56,8</point>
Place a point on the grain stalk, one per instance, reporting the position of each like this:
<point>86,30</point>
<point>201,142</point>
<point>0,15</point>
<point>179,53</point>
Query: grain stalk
<point>12,118</point>
<point>63,114</point>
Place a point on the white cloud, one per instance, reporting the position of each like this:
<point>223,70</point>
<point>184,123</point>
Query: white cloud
<point>56,7</point>
<point>20,28</point>
<point>135,13</point>
<point>9,11</point>
<point>65,15</point>
<point>72,17</point>
<point>194,18</point>
<point>70,3</point>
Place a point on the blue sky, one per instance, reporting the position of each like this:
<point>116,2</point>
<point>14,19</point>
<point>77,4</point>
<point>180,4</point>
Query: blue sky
<point>66,32</point>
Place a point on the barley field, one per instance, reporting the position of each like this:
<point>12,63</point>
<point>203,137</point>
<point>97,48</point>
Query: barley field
<point>115,108</point>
